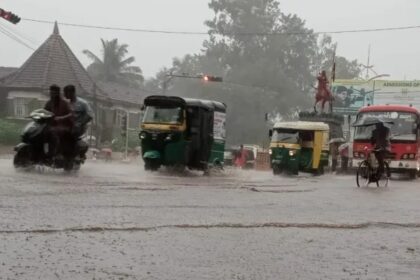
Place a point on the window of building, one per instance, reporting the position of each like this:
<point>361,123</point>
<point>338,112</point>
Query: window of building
<point>21,107</point>
<point>119,115</point>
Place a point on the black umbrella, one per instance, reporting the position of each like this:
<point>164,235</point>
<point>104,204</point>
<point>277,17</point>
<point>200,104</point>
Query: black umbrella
<point>370,121</point>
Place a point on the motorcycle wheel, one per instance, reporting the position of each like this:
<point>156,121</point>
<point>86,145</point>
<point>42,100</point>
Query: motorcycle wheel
<point>68,165</point>
<point>22,158</point>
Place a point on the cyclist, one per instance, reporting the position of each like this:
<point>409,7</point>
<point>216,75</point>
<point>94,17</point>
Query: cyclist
<point>381,145</point>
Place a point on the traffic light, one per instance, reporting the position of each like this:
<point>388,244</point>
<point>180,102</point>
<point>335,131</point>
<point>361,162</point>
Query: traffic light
<point>9,16</point>
<point>208,78</point>
<point>124,126</point>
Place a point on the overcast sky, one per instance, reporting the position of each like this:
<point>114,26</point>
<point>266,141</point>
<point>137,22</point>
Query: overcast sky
<point>396,53</point>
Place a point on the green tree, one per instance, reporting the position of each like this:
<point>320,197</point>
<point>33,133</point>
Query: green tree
<point>345,69</point>
<point>114,65</point>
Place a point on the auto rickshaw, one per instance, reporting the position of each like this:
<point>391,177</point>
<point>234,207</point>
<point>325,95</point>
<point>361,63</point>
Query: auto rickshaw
<point>299,146</point>
<point>182,132</point>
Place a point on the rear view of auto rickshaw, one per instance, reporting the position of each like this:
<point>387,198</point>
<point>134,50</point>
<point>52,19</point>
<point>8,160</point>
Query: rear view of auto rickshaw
<point>182,132</point>
<point>299,146</point>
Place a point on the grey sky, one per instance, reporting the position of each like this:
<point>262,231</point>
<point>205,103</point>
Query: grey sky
<point>396,53</point>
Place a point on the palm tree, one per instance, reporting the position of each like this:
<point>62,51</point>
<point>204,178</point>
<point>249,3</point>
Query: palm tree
<point>114,66</point>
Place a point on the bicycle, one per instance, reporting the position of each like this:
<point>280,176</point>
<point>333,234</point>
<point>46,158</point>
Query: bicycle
<point>367,172</point>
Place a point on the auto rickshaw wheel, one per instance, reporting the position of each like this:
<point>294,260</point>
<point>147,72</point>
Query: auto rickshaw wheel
<point>320,170</point>
<point>151,165</point>
<point>277,170</point>
<point>412,174</point>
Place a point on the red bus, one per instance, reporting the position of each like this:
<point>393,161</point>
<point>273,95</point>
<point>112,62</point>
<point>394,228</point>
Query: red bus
<point>405,140</point>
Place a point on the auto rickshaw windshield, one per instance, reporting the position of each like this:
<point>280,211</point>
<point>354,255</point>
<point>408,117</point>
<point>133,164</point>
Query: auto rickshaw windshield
<point>163,115</point>
<point>285,136</point>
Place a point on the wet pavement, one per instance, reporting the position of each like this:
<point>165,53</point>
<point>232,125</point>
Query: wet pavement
<point>115,221</point>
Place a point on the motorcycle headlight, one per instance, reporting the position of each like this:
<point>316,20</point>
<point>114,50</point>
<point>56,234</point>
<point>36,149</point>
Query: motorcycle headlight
<point>142,135</point>
<point>168,137</point>
<point>292,153</point>
<point>270,152</point>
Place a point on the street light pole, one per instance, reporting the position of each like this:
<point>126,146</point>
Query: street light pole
<point>95,105</point>
<point>126,134</point>
<point>374,83</point>
<point>205,78</point>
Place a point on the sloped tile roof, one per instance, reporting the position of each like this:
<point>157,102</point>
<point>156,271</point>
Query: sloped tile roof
<point>53,63</point>
<point>6,71</point>
<point>118,92</point>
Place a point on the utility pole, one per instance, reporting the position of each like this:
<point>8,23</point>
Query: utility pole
<point>368,64</point>
<point>95,105</point>
<point>368,67</point>
<point>126,134</point>
<point>165,85</point>
<point>166,82</point>
<point>124,126</point>
<point>204,77</point>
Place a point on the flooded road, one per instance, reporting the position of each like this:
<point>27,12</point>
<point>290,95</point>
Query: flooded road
<point>115,221</point>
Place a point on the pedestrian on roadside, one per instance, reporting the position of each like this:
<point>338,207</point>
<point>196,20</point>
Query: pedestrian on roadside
<point>241,157</point>
<point>334,156</point>
<point>334,144</point>
<point>344,154</point>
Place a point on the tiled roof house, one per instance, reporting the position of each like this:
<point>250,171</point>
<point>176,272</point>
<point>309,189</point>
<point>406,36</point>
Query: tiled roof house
<point>26,88</point>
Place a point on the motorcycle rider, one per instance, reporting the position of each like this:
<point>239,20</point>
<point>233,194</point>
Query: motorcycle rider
<point>81,111</point>
<point>59,132</point>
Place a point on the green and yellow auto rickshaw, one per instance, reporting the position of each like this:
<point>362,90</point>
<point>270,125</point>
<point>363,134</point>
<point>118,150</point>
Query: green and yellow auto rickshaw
<point>182,132</point>
<point>299,146</point>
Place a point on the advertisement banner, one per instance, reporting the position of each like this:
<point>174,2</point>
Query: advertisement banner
<point>397,93</point>
<point>219,126</point>
<point>351,95</point>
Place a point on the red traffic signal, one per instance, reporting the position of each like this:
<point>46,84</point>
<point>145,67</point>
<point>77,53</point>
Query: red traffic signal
<point>208,78</point>
<point>9,16</point>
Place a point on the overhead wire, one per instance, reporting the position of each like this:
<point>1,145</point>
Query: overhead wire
<point>19,34</point>
<point>15,38</point>
<point>285,33</point>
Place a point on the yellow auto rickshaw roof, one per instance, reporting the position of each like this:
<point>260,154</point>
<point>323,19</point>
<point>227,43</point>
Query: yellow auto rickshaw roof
<point>300,125</point>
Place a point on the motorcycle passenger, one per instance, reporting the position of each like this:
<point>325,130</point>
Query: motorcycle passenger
<point>381,144</point>
<point>81,110</point>
<point>59,132</point>
<point>82,116</point>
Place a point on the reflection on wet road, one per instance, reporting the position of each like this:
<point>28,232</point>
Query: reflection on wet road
<point>114,221</point>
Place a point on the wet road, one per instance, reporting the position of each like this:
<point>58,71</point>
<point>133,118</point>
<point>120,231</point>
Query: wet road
<point>114,221</point>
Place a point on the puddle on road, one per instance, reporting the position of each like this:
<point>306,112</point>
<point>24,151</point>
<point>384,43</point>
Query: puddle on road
<point>279,191</point>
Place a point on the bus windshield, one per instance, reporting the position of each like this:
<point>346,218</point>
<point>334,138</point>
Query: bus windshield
<point>285,136</point>
<point>163,115</point>
<point>404,127</point>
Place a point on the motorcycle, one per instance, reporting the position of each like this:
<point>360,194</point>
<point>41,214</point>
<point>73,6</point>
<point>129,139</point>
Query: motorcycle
<point>35,146</point>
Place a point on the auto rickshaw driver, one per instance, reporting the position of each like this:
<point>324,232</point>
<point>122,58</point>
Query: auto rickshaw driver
<point>299,146</point>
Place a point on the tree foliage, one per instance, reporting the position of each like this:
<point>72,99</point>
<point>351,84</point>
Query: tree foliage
<point>345,69</point>
<point>114,65</point>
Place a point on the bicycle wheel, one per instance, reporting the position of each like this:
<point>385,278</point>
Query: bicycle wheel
<point>384,179</point>
<point>363,174</point>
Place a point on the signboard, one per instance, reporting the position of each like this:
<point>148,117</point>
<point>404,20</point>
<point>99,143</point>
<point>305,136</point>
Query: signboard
<point>351,95</point>
<point>219,126</point>
<point>397,93</point>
